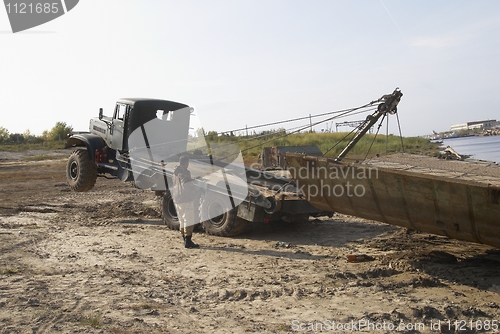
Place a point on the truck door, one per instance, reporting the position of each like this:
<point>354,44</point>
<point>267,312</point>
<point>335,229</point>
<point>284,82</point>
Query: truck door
<point>117,125</point>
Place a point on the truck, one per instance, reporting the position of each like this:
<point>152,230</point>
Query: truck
<point>141,143</point>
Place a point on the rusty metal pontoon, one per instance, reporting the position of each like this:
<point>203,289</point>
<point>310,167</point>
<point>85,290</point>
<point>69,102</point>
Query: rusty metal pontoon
<point>457,199</point>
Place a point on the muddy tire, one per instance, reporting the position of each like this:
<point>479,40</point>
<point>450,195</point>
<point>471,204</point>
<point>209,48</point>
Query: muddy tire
<point>81,172</point>
<point>168,212</point>
<point>225,225</point>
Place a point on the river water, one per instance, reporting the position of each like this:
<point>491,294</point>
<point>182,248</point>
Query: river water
<point>484,148</point>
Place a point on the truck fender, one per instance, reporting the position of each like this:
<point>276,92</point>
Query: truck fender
<point>90,141</point>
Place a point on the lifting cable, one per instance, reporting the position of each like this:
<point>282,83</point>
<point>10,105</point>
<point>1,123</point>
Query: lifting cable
<point>400,134</point>
<point>293,119</point>
<point>347,135</point>
<point>386,135</point>
<point>288,131</point>
<point>378,129</point>
<point>360,126</point>
<point>344,112</point>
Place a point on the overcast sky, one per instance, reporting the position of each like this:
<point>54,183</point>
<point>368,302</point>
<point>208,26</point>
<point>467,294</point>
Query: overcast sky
<point>250,62</point>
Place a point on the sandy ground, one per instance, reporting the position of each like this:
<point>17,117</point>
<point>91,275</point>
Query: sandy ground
<point>103,262</point>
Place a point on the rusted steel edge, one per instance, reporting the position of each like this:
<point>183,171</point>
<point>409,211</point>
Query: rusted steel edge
<point>457,226</point>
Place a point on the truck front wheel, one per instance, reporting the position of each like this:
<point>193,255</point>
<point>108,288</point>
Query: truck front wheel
<point>81,172</point>
<point>226,224</point>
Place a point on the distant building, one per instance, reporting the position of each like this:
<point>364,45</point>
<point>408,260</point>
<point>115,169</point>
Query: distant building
<point>474,125</point>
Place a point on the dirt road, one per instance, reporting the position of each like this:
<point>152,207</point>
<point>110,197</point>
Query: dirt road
<point>103,262</point>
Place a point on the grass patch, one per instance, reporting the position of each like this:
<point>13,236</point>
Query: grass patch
<point>94,320</point>
<point>333,143</point>
<point>33,227</point>
<point>10,271</point>
<point>284,328</point>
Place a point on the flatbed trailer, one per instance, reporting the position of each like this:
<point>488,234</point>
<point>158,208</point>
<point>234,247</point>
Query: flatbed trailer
<point>272,198</point>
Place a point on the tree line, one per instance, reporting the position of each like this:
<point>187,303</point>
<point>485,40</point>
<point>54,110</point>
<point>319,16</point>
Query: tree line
<point>59,132</point>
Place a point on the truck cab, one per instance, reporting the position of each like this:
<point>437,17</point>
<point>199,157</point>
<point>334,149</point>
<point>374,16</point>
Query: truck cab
<point>105,149</point>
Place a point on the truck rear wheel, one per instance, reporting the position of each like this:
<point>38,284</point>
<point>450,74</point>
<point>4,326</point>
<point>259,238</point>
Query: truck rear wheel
<point>81,172</point>
<point>224,225</point>
<point>169,213</point>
